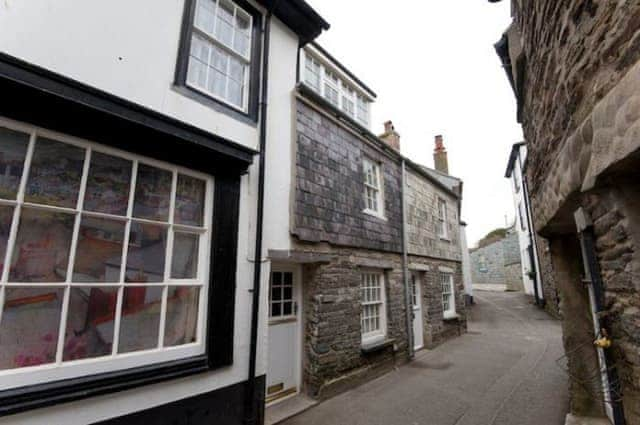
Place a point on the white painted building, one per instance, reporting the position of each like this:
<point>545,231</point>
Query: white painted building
<point>530,264</point>
<point>128,235</point>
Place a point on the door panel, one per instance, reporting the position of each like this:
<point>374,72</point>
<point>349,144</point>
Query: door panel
<point>416,300</point>
<point>284,330</point>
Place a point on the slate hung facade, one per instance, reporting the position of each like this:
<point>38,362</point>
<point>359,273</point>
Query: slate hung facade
<point>374,243</point>
<point>575,70</point>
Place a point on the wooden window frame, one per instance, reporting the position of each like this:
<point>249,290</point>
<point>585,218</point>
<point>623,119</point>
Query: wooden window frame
<point>249,111</point>
<point>380,333</point>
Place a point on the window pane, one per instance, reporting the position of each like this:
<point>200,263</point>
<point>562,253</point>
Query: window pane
<point>6,217</point>
<point>182,315</point>
<point>276,293</point>
<point>236,70</point>
<point>153,191</point>
<point>224,23</point>
<point>185,256</point>
<point>189,207</point>
<point>216,83</point>
<point>90,321</point>
<point>276,309</point>
<point>13,149</point>
<point>99,251</point>
<point>29,330</point>
<point>108,184</point>
<point>205,15</point>
<point>140,319</point>
<point>146,254</point>
<point>54,177</point>
<point>243,33</point>
<point>41,252</point>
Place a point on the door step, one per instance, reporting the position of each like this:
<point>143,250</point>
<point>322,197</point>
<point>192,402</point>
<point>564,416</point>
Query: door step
<point>285,409</point>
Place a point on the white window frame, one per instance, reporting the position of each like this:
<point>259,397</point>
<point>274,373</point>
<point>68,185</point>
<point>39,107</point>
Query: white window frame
<point>379,334</point>
<point>344,88</point>
<point>443,231</point>
<point>59,369</point>
<point>311,64</point>
<point>446,282</point>
<point>212,39</point>
<point>378,190</point>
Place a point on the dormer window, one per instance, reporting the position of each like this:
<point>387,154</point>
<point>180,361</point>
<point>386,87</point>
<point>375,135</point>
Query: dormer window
<point>335,88</point>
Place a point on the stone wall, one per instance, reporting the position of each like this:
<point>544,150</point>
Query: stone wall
<point>334,358</point>
<point>487,264</point>
<point>549,287</point>
<point>422,220</point>
<point>329,192</point>
<point>580,109</point>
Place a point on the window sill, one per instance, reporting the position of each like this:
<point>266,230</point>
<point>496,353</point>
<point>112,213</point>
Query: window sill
<point>374,214</point>
<point>248,117</point>
<point>377,344</point>
<point>451,317</point>
<point>49,393</point>
<point>445,239</point>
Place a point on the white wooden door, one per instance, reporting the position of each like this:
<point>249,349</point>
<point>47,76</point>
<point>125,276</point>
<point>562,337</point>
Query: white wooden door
<point>416,301</point>
<point>284,331</point>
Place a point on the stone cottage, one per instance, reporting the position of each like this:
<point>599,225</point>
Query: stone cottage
<point>497,265</point>
<point>575,70</point>
<point>370,270</point>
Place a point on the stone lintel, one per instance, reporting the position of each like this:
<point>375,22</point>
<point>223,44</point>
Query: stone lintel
<point>446,269</point>
<point>373,263</point>
<point>298,257</point>
<point>417,267</point>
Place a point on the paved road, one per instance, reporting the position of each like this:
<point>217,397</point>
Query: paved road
<point>503,372</point>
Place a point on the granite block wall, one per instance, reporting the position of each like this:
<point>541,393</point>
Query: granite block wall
<point>422,220</point>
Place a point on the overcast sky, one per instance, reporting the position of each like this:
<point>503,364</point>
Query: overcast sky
<point>435,71</point>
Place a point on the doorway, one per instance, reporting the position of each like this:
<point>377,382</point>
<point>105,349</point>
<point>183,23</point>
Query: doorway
<point>416,302</point>
<point>283,370</point>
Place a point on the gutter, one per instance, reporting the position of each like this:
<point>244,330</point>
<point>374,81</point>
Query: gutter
<point>405,266</point>
<point>250,402</point>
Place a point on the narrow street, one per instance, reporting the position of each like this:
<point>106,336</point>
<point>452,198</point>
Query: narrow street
<point>503,372</point>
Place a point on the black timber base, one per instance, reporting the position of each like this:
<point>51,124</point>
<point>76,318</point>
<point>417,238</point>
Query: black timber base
<point>223,406</point>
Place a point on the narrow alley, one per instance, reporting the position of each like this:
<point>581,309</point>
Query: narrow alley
<point>504,371</point>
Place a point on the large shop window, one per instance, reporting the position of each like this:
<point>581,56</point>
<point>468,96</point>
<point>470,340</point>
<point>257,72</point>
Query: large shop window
<point>373,319</point>
<point>104,258</point>
<point>217,55</point>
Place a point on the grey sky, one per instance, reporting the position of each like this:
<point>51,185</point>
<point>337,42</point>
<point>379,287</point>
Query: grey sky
<point>435,71</point>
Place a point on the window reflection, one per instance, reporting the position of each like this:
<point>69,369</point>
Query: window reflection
<point>54,177</point>
<point>99,250</point>
<point>90,321</point>
<point>184,264</point>
<point>146,255</point>
<point>108,184</point>
<point>29,331</point>
<point>182,315</point>
<point>140,319</point>
<point>41,252</point>
<point>153,192</point>
<point>13,149</point>
<point>189,207</point>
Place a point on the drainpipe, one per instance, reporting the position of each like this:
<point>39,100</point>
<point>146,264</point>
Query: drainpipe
<point>593,279</point>
<point>405,263</point>
<point>251,413</point>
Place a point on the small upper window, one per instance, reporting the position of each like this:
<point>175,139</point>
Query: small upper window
<point>372,187</point>
<point>362,111</point>
<point>312,72</point>
<point>220,53</point>
<point>442,219</point>
<point>331,85</point>
<point>348,101</point>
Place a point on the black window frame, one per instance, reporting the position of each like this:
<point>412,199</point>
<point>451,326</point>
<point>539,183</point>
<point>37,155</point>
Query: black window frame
<point>182,64</point>
<point>67,106</point>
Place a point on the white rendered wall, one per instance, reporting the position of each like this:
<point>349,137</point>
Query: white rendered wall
<point>466,262</point>
<point>84,40</point>
<point>126,48</point>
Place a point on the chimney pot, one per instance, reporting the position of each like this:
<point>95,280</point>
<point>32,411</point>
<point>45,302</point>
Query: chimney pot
<point>440,156</point>
<point>390,135</point>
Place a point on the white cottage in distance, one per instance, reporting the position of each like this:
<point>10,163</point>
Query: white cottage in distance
<point>531,276</point>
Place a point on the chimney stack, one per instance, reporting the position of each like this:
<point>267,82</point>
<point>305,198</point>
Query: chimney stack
<point>391,136</point>
<point>440,156</point>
